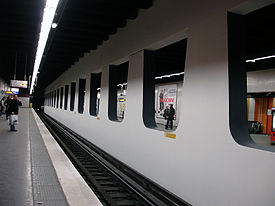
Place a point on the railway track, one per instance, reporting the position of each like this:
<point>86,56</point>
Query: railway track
<point>113,182</point>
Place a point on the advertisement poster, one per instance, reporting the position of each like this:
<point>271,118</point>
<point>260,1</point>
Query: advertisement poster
<point>167,94</point>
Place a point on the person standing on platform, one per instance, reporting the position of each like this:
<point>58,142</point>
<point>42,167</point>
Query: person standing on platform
<point>13,111</point>
<point>165,115</point>
<point>6,103</point>
<point>171,115</point>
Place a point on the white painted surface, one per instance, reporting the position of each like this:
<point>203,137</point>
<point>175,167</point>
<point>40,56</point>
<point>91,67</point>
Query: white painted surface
<point>76,190</point>
<point>203,165</point>
<point>261,81</point>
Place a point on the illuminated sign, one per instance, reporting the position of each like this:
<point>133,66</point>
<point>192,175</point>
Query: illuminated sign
<point>122,99</point>
<point>15,89</point>
<point>19,84</point>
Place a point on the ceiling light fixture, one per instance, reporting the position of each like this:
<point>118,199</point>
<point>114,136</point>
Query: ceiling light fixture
<point>48,16</point>
<point>54,25</point>
<point>260,58</point>
<point>169,75</point>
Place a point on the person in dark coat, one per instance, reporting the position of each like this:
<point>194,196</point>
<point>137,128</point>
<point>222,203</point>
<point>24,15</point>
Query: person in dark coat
<point>166,112</point>
<point>13,109</point>
<point>6,103</point>
<point>1,108</point>
<point>171,114</point>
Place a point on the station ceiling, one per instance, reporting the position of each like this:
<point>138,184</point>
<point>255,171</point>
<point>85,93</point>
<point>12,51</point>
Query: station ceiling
<point>83,26</point>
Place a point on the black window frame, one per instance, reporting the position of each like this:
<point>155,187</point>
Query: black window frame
<point>54,98</point>
<point>72,96</point>
<point>237,74</point>
<point>57,99</point>
<point>81,95</point>
<point>61,97</point>
<point>66,97</point>
<point>114,80</point>
<point>149,70</point>
<point>95,83</point>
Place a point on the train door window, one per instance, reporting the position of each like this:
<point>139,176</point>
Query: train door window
<point>162,89</point>
<point>118,75</point>
<point>81,95</point>
<point>72,96</point>
<point>95,93</point>
<point>61,97</point>
<point>66,97</point>
<point>251,77</point>
<point>57,98</point>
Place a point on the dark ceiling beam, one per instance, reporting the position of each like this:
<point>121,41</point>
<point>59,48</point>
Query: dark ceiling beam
<point>81,35</point>
<point>128,12</point>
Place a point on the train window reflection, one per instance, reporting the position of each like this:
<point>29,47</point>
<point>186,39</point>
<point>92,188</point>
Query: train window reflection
<point>118,75</point>
<point>72,96</point>
<point>163,82</point>
<point>95,93</point>
<point>81,95</point>
<point>66,97</point>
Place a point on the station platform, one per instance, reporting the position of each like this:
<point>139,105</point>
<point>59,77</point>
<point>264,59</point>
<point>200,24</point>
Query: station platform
<point>34,169</point>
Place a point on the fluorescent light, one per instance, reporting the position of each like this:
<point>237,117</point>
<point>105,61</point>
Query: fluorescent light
<point>54,25</point>
<point>123,84</point>
<point>48,16</point>
<point>260,58</point>
<point>169,75</point>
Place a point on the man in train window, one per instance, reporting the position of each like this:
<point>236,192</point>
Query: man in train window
<point>170,118</point>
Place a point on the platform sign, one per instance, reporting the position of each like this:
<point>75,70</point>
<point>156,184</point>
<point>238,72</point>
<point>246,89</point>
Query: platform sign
<point>167,94</point>
<point>170,135</point>
<point>19,84</point>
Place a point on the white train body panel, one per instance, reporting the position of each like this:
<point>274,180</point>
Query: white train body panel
<point>203,165</point>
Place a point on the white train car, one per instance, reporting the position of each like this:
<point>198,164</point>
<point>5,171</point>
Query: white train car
<point>211,159</point>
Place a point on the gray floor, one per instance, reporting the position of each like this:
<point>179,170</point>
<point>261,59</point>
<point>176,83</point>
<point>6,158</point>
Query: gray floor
<point>26,174</point>
<point>261,139</point>
<point>161,127</point>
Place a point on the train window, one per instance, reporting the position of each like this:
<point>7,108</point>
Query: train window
<point>118,75</point>
<point>73,84</point>
<point>163,82</point>
<point>66,97</point>
<point>251,77</point>
<point>61,97</point>
<point>81,95</point>
<point>54,98</point>
<point>52,94</point>
<point>57,99</point>
<point>95,93</point>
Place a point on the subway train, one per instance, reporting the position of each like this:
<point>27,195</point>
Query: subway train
<point>191,54</point>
